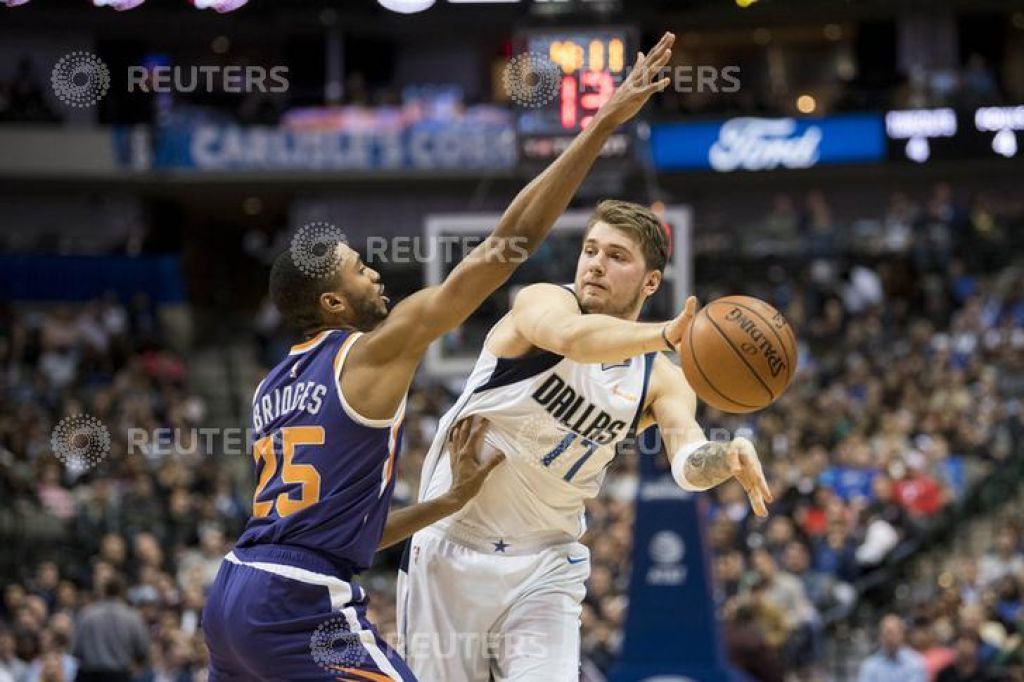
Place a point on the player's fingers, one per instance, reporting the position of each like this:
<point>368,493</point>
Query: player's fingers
<point>460,435</point>
<point>667,38</point>
<point>753,494</point>
<point>690,310</point>
<point>757,475</point>
<point>754,473</point>
<point>493,462</point>
<point>657,55</point>
<point>757,502</point>
<point>656,64</point>
<point>657,86</point>
<point>638,68</point>
<point>476,435</point>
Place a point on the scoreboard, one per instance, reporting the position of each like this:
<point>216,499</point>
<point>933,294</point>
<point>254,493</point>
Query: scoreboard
<point>589,64</point>
<point>923,135</point>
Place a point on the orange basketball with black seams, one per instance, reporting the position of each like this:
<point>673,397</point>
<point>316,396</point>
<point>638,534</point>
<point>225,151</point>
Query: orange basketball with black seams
<point>739,354</point>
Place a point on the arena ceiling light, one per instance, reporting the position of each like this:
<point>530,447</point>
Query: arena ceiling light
<point>406,6</point>
<point>14,3</point>
<point>119,5</point>
<point>219,5</point>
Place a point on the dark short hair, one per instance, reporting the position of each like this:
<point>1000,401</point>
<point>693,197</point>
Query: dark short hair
<point>641,223</point>
<point>295,293</point>
<point>114,587</point>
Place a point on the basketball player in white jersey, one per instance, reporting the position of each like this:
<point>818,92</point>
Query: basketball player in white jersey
<point>495,591</point>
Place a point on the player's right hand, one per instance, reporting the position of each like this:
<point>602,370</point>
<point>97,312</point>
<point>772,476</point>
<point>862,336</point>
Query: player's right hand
<point>675,331</point>
<point>469,468</point>
<point>640,84</point>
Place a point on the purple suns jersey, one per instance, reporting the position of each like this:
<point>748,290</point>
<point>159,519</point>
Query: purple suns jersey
<point>324,473</point>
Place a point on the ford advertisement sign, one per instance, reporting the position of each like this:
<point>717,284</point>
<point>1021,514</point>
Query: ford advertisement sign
<point>760,144</point>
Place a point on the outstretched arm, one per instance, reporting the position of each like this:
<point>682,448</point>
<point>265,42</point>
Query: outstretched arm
<point>549,317</point>
<point>697,463</point>
<point>468,475</point>
<point>392,351</point>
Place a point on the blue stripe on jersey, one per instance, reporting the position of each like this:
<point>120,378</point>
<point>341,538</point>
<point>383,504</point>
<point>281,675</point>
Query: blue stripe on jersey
<point>631,435</point>
<point>509,371</point>
<point>648,366</point>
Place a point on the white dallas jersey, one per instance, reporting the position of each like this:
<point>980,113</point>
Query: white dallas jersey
<point>558,423</point>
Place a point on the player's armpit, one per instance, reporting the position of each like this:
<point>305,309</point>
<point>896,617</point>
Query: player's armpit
<point>672,405</point>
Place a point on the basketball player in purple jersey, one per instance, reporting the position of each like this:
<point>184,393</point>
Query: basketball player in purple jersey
<point>328,422</point>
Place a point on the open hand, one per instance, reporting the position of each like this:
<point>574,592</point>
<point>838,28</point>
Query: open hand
<point>745,467</point>
<point>640,84</point>
<point>469,468</point>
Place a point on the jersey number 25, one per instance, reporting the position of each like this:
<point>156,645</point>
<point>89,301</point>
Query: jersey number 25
<point>305,475</point>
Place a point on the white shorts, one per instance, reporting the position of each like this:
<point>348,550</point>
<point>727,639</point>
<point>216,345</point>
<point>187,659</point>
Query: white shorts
<point>469,615</point>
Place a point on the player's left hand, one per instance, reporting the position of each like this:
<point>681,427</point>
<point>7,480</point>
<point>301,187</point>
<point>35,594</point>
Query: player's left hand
<point>469,468</point>
<point>642,82</point>
<point>745,467</point>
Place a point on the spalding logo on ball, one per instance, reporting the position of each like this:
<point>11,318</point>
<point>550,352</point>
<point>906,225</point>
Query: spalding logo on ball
<point>739,354</point>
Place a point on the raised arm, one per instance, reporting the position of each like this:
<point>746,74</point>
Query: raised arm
<point>421,318</point>
<point>549,317</point>
<point>697,463</point>
<point>387,357</point>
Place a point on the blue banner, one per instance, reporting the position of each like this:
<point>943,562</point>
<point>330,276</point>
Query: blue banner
<point>671,632</point>
<point>35,277</point>
<point>205,147</point>
<point>757,144</point>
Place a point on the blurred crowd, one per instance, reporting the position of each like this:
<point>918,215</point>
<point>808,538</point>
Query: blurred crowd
<point>911,367</point>
<point>966,626</point>
<point>139,536</point>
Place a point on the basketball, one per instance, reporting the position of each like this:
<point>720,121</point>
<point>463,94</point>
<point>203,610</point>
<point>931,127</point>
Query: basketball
<point>739,354</point>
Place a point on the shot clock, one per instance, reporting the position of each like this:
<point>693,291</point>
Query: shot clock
<point>589,64</point>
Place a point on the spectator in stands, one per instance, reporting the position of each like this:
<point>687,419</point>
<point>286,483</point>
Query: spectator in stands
<point>967,666</point>
<point>111,639</point>
<point>823,590</point>
<point>10,665</point>
<point>894,662</point>
<point>922,640</point>
<point>786,593</point>
<point>747,647</point>
<point>1005,559</point>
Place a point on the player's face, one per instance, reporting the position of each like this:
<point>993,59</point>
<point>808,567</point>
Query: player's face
<point>362,289</point>
<point>611,275</point>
